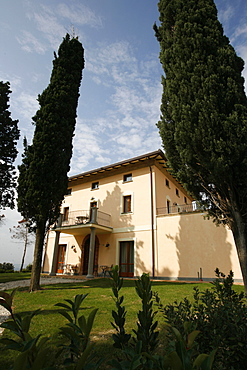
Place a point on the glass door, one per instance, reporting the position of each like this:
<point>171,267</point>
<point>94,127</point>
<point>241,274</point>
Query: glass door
<point>126,263</point>
<point>61,258</point>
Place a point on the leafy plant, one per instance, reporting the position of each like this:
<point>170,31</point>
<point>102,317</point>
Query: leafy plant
<point>35,353</point>
<point>32,350</point>
<point>121,338</point>
<point>220,314</point>
<point>77,331</point>
<point>180,352</point>
<point>146,325</point>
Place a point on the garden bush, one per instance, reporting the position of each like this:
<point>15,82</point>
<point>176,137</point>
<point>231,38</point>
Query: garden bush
<point>28,268</point>
<point>220,314</point>
<point>76,352</point>
<point>6,267</point>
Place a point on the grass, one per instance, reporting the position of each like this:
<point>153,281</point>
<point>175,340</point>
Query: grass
<point>48,321</point>
<point>14,276</point>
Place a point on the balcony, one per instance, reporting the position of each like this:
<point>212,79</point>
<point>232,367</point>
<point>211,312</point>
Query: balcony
<point>80,222</point>
<point>176,209</point>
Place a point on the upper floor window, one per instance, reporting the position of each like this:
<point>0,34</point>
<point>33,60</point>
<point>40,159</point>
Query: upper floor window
<point>167,183</point>
<point>95,185</point>
<point>66,213</point>
<point>69,191</point>
<point>177,192</point>
<point>127,177</point>
<point>185,200</point>
<point>127,206</point>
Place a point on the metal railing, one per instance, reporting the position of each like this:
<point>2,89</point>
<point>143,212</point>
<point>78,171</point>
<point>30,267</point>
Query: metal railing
<point>183,208</point>
<point>82,217</point>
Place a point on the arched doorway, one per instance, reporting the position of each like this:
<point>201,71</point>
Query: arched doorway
<point>85,255</point>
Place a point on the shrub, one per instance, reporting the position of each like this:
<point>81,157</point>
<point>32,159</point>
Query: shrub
<point>139,352</point>
<point>28,268</point>
<point>6,267</point>
<point>220,314</point>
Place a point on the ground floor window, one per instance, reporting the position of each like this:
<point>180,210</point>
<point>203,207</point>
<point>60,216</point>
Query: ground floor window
<point>126,262</point>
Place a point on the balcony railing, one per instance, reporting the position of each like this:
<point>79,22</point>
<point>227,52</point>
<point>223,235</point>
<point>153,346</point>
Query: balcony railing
<point>82,217</point>
<point>183,208</point>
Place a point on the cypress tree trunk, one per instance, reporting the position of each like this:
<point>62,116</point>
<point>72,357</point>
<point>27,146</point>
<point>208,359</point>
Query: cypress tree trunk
<point>239,231</point>
<point>37,258</point>
<point>25,249</point>
<point>240,237</point>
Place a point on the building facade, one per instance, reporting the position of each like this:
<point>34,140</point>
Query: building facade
<point>136,215</point>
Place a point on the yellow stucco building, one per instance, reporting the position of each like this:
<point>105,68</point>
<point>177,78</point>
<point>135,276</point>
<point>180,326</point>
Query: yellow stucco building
<point>136,215</point>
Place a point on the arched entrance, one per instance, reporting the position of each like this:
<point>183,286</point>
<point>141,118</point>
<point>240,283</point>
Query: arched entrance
<point>85,255</point>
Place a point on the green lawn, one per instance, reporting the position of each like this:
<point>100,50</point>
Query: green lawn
<point>99,296</point>
<point>13,276</point>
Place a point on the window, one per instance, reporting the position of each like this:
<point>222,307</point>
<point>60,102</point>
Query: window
<point>126,260</point>
<point>127,177</point>
<point>66,213</point>
<point>69,191</point>
<point>185,200</point>
<point>126,203</point>
<point>95,185</point>
<point>177,192</point>
<point>167,183</point>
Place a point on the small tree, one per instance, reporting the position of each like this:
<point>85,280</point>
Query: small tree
<point>9,134</point>
<point>204,113</point>
<point>22,234</point>
<point>43,173</point>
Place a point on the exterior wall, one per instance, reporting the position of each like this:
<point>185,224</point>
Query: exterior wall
<point>164,192</point>
<point>183,243</point>
<point>128,226</point>
<point>109,198</point>
<point>188,242</point>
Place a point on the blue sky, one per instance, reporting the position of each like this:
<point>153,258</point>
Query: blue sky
<point>120,92</point>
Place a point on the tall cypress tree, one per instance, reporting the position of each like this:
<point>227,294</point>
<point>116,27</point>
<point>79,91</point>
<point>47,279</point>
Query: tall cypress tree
<point>203,121</point>
<point>9,134</point>
<point>43,173</point>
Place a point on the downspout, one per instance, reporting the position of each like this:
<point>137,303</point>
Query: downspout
<point>152,221</point>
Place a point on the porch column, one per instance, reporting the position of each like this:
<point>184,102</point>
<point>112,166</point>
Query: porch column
<point>91,254</point>
<point>55,250</point>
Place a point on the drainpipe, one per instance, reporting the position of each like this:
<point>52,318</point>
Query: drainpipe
<point>55,251</point>
<point>152,221</point>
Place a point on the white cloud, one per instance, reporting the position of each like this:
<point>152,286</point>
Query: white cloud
<point>87,148</point>
<point>79,14</point>
<point>26,105</point>
<point>225,14</point>
<point>30,43</point>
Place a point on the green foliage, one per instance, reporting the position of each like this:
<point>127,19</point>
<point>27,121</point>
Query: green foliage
<point>35,352</point>
<point>220,314</point>
<point>203,122</point>
<point>9,134</point>
<point>77,331</point>
<point>28,268</point>
<point>204,107</point>
<point>43,178</point>
<point>181,351</point>
<point>146,325</point>
<point>43,173</point>
<point>6,267</point>
<point>121,338</point>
